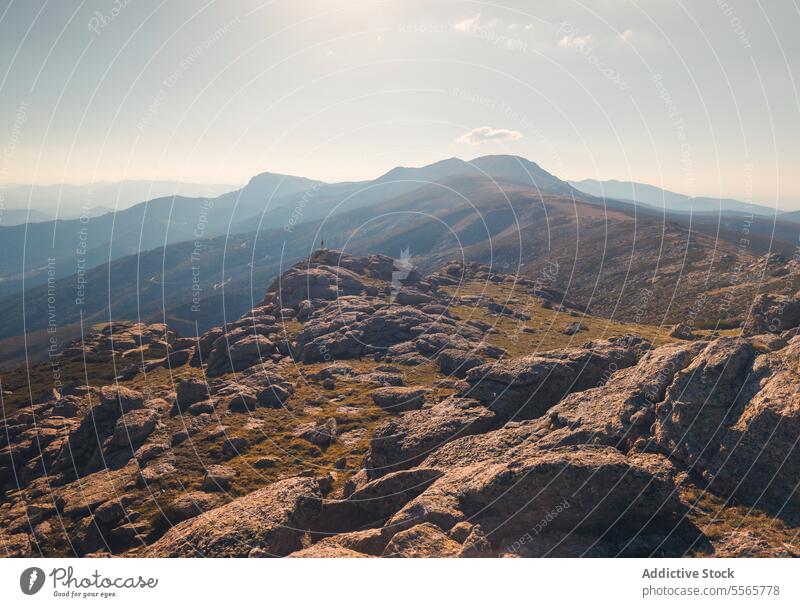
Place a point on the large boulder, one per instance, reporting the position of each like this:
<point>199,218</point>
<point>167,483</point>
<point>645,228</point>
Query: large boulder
<point>315,279</point>
<point>586,490</point>
<point>397,399</point>
<point>457,362</point>
<point>524,388</point>
<point>694,415</point>
<point>376,500</point>
<point>245,351</point>
<point>191,390</point>
<point>404,441</point>
<point>733,417</point>
<point>772,313</point>
<point>133,427</point>
<point>273,519</point>
<point>342,332</point>
<point>422,541</point>
<point>621,412</point>
<point>119,399</point>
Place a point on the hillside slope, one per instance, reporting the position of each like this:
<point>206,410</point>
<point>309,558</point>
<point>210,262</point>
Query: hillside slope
<point>362,409</point>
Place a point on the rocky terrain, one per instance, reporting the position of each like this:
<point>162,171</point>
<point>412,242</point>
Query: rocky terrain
<point>362,409</point>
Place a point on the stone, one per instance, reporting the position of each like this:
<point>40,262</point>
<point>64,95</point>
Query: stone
<point>682,331</point>
<point>772,313</point>
<point>133,427</point>
<point>404,441</point>
<point>265,462</point>
<point>273,519</point>
<point>121,399</point>
<point>321,434</point>
<point>190,391</point>
<point>457,362</point>
<point>218,478</point>
<point>525,387</point>
<point>274,397</point>
<point>422,541</point>
<point>398,399</point>
<point>191,504</point>
<point>583,490</point>
<point>243,402</point>
<point>574,327</point>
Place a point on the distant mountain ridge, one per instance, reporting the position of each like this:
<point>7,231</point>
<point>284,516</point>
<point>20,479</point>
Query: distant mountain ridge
<point>70,201</point>
<point>656,197</point>
<point>142,263</point>
<point>268,201</point>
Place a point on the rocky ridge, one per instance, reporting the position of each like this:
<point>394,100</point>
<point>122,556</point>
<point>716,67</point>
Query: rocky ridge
<point>363,410</point>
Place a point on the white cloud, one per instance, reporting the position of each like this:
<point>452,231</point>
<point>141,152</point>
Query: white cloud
<point>475,24</point>
<point>468,24</point>
<point>639,37</point>
<point>577,42</point>
<point>627,35</point>
<point>486,133</point>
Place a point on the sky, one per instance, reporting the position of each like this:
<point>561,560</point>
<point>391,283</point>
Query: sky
<point>695,97</point>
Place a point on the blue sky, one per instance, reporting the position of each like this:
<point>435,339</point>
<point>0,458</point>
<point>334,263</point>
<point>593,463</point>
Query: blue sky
<point>696,97</point>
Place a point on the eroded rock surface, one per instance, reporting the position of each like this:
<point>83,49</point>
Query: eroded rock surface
<point>354,413</point>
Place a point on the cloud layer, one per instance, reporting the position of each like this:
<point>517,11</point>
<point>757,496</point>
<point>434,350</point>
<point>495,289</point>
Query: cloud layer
<point>482,134</point>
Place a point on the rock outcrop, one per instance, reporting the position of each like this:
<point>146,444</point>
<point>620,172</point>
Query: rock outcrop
<point>363,411</point>
<point>271,521</point>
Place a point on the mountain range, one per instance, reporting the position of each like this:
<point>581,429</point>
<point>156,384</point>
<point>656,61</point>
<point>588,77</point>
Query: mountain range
<point>194,262</point>
<point>29,203</point>
<point>658,198</point>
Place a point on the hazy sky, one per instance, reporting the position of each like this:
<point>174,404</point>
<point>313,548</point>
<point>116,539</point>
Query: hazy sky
<point>700,97</point>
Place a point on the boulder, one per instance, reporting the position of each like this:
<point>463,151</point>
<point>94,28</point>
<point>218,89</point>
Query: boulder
<point>235,445</point>
<point>422,541</point>
<point>404,441</point>
<point>273,519</point>
<point>398,399</point>
<point>457,362</point>
<point>191,504</point>
<point>772,313</point>
<point>574,328</point>
<point>681,331</point>
<point>121,399</point>
<point>582,490</point>
<point>321,434</point>
<point>524,388</point>
<point>133,427</point>
<point>189,391</point>
<point>218,478</point>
